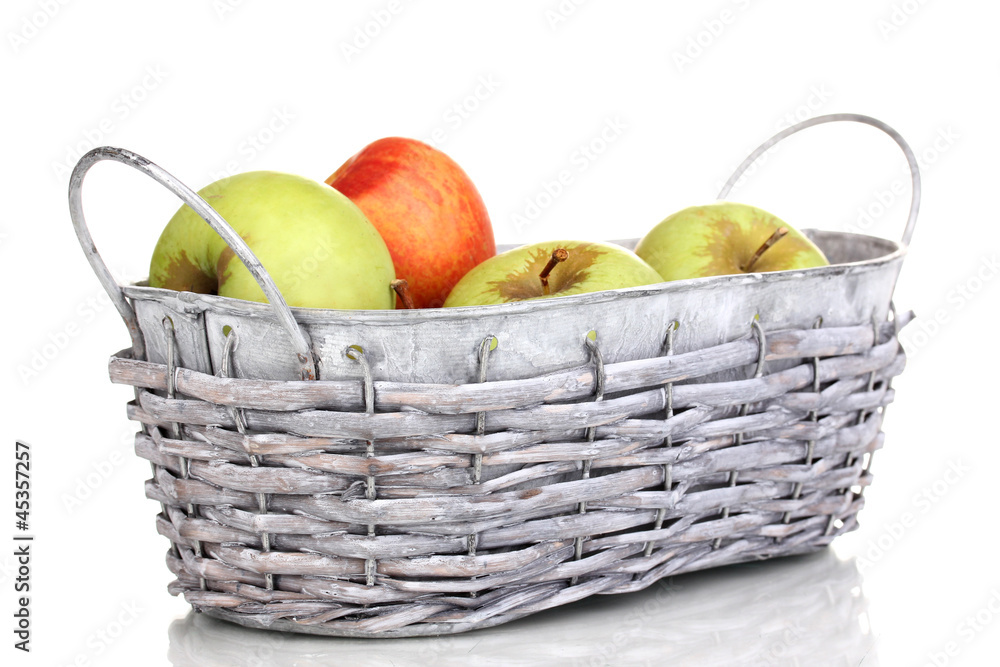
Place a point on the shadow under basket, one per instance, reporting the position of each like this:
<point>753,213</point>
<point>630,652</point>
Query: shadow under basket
<point>399,473</point>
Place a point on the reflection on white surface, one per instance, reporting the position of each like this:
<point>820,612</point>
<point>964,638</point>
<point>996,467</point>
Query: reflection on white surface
<point>806,610</point>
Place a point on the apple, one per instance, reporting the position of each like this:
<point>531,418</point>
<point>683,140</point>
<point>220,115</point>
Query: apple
<point>426,208</point>
<point>317,245</point>
<point>553,268</point>
<point>725,238</point>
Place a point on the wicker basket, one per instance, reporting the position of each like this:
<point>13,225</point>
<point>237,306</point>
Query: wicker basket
<point>397,473</point>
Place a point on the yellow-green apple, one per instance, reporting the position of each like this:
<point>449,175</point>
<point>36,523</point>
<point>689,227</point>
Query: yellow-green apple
<point>425,207</point>
<point>553,268</point>
<point>725,238</point>
<point>317,245</point>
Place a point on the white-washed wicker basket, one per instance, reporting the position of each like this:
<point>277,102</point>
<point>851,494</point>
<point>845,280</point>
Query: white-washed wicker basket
<point>395,473</point>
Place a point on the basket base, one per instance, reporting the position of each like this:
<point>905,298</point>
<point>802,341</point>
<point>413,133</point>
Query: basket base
<point>440,629</point>
<point>421,630</point>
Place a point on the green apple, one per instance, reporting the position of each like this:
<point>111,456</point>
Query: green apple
<point>725,238</point>
<point>554,268</point>
<point>319,248</point>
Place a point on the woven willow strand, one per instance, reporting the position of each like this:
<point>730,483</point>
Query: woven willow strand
<point>599,479</point>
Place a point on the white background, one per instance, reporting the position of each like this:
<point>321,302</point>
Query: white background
<point>691,88</point>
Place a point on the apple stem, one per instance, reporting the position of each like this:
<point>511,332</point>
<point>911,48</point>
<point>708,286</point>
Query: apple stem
<point>402,288</point>
<point>778,234</point>
<point>558,255</point>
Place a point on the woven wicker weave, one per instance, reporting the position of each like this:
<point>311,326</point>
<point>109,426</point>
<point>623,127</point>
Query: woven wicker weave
<point>276,516</point>
<point>809,609</point>
<point>371,504</point>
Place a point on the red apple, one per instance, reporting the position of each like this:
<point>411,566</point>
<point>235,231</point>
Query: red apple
<point>427,210</point>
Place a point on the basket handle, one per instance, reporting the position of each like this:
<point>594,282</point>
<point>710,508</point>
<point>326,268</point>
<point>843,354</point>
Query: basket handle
<point>911,220</point>
<point>300,340</point>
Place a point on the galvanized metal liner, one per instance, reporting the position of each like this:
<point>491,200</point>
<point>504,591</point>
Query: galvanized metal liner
<point>439,345</point>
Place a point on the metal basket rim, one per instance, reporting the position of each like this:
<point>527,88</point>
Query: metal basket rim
<point>896,251</point>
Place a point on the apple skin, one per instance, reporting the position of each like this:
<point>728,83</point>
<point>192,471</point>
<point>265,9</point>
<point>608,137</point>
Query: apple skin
<point>427,210</point>
<point>514,275</point>
<point>317,245</point>
<point>719,239</point>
